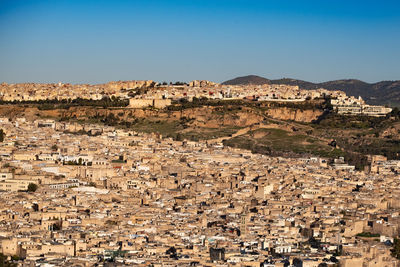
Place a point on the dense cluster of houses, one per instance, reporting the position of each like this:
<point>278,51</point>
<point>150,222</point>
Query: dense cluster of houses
<point>111,195</point>
<point>265,92</point>
<point>66,91</point>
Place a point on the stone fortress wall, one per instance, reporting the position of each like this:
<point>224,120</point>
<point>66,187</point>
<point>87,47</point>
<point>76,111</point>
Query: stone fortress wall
<point>142,103</point>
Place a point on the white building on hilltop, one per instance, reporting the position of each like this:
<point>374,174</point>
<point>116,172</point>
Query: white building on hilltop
<point>356,106</point>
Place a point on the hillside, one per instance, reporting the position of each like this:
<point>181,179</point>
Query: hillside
<point>382,93</point>
<point>250,79</point>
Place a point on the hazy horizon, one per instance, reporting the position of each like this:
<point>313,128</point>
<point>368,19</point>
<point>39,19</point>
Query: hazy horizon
<point>100,41</point>
<point>187,81</point>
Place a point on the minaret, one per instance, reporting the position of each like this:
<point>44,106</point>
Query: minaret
<point>243,222</point>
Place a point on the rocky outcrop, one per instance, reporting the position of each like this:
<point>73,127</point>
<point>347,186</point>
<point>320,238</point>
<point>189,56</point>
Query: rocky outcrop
<point>307,115</point>
<point>211,117</point>
<point>392,132</point>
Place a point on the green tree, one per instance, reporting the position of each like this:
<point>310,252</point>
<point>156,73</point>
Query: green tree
<point>179,137</point>
<point>4,262</point>
<point>396,249</point>
<point>2,135</point>
<point>32,187</point>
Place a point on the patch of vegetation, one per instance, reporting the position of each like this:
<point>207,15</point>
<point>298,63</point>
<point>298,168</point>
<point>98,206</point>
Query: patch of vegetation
<point>367,234</point>
<point>2,135</point>
<point>395,251</point>
<point>333,120</point>
<point>356,159</point>
<point>210,133</point>
<point>6,263</point>
<point>32,187</point>
<point>74,163</point>
<point>371,146</point>
<point>50,104</point>
<point>200,102</point>
<point>111,222</point>
<point>360,135</point>
<point>278,141</point>
<point>164,127</point>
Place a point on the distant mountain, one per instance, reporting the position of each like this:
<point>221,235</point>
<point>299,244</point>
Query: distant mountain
<point>302,84</point>
<point>250,79</point>
<point>385,92</point>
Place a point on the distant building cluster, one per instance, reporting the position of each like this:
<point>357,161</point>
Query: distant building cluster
<point>266,92</point>
<point>356,106</point>
<point>65,91</point>
<point>160,96</point>
<point>103,194</point>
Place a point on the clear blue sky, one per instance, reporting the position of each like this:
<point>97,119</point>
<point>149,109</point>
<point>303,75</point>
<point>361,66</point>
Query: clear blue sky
<point>181,40</point>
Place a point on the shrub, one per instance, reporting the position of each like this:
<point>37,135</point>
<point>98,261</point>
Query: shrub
<point>32,187</point>
<point>367,234</point>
